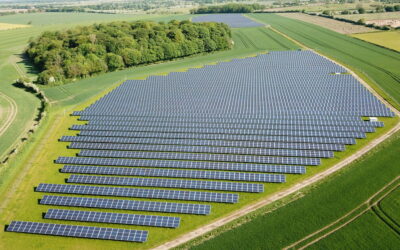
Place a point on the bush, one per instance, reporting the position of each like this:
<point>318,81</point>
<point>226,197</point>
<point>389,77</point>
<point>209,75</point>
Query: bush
<point>397,7</point>
<point>345,12</point>
<point>361,21</point>
<point>361,10</point>
<point>228,8</point>
<point>389,8</point>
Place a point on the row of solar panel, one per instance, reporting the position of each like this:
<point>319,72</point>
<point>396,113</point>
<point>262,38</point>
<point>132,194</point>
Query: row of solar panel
<point>203,149</point>
<point>222,131</point>
<point>275,120</point>
<point>180,164</point>
<point>236,126</point>
<point>114,218</point>
<point>169,183</point>
<point>139,193</point>
<point>214,118</point>
<point>131,205</point>
<point>174,173</point>
<point>104,233</point>
<point>211,143</point>
<point>258,138</point>
<point>200,157</point>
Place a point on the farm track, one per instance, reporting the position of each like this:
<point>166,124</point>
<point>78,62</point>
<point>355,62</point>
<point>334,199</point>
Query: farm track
<point>370,204</point>
<point>12,113</point>
<point>297,187</point>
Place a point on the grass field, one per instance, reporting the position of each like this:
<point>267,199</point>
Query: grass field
<point>320,205</point>
<point>11,26</point>
<point>391,206</point>
<point>378,66</point>
<point>338,26</point>
<point>388,39</point>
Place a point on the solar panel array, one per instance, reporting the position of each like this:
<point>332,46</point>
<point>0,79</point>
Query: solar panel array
<point>105,233</point>
<point>133,205</point>
<point>235,127</point>
<point>232,20</point>
<point>114,218</point>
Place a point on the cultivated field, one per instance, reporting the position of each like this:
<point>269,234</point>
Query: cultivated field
<point>338,26</point>
<point>388,39</point>
<point>316,207</point>
<point>372,16</point>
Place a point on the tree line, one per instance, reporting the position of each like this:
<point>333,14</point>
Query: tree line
<point>88,50</point>
<point>228,8</point>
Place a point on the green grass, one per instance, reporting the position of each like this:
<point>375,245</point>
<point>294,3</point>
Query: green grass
<point>367,232</point>
<point>380,67</point>
<point>320,205</point>
<point>391,205</point>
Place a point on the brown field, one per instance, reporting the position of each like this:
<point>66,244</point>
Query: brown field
<point>389,22</point>
<point>338,26</point>
<point>10,26</point>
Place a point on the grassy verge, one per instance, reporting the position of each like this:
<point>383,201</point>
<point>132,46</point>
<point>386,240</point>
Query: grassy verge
<point>312,208</point>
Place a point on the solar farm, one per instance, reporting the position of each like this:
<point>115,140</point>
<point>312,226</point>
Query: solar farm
<point>203,136</point>
<point>160,156</point>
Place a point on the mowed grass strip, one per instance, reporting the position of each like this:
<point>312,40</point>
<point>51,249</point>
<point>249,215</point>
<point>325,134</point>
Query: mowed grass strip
<point>11,26</point>
<point>319,206</point>
<point>388,39</point>
<point>378,66</point>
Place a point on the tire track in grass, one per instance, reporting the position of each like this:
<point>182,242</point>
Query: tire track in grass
<point>346,219</point>
<point>274,39</point>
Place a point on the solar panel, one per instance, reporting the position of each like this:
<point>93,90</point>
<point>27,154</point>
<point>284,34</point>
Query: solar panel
<point>138,193</point>
<point>233,20</point>
<point>213,143</point>
<point>174,173</point>
<point>340,134</point>
<point>201,157</point>
<point>168,183</point>
<point>151,206</point>
<point>204,149</point>
<point>177,164</point>
<point>115,218</point>
<point>258,138</point>
<point>236,126</point>
<point>104,233</point>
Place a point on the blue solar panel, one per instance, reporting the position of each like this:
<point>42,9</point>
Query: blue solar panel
<point>115,218</point>
<point>174,173</point>
<point>168,183</point>
<point>202,157</point>
<point>204,149</point>
<point>138,193</point>
<point>233,20</point>
<point>229,137</point>
<point>163,207</point>
<point>211,143</point>
<point>104,233</point>
<point>175,164</point>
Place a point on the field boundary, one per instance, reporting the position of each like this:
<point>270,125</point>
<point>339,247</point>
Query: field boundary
<point>298,186</point>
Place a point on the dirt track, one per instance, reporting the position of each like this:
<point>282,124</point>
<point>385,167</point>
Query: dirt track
<point>10,113</point>
<point>297,187</point>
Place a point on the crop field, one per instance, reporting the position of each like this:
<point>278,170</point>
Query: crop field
<point>319,206</point>
<point>331,24</point>
<point>388,39</point>
<point>372,16</point>
<point>128,129</point>
<point>378,66</point>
